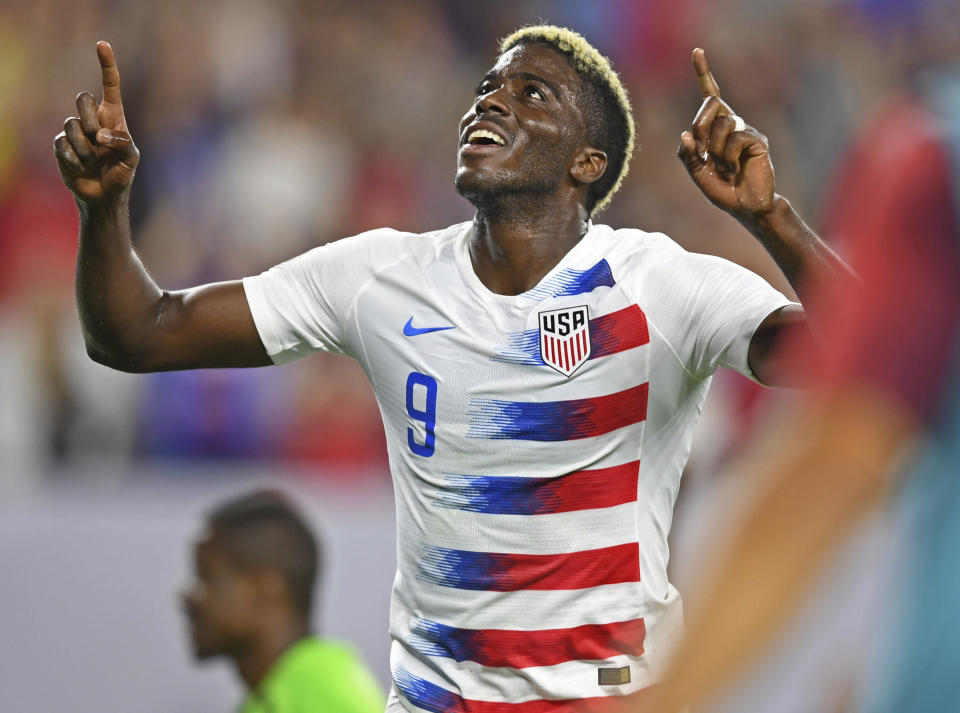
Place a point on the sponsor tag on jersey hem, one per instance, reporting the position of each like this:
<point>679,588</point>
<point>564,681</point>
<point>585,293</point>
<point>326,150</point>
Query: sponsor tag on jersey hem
<point>613,676</point>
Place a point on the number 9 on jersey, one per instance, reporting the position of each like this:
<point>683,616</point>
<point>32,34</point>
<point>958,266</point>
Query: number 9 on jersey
<point>422,391</point>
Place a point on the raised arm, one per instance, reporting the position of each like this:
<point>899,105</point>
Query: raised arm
<point>730,163</point>
<point>129,323</point>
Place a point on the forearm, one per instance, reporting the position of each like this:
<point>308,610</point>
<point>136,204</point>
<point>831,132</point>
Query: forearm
<point>116,297</point>
<point>803,257</point>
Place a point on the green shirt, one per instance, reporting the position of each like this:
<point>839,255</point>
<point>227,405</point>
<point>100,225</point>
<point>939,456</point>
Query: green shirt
<point>316,676</point>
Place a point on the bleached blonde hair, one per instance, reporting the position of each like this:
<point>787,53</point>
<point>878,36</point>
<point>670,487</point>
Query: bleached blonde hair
<point>616,136</point>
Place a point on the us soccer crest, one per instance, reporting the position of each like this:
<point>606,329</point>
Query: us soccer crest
<point>565,338</point>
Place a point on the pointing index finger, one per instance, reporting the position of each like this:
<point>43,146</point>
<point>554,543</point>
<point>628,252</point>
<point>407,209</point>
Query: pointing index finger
<point>708,85</point>
<point>111,76</point>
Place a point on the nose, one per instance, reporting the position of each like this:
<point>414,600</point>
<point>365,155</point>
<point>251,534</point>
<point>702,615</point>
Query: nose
<point>491,103</point>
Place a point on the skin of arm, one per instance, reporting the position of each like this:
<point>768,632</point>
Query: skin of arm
<point>819,488</point>
<point>128,322</point>
<point>730,163</point>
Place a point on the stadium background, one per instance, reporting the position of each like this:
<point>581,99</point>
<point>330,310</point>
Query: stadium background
<point>266,128</point>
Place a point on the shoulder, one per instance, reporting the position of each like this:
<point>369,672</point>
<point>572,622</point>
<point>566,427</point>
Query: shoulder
<point>383,246</point>
<point>654,256</point>
<point>314,652</point>
<point>320,669</point>
<point>632,240</point>
<point>340,662</point>
<point>373,250</point>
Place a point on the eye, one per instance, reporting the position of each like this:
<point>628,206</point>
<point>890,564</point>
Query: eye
<point>531,90</point>
<point>484,88</point>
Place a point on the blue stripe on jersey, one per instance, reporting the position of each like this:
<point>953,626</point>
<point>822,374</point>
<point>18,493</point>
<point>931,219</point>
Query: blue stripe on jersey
<point>432,638</point>
<point>524,420</point>
<point>557,420</point>
<point>573,282</point>
<point>522,348</point>
<point>426,695</point>
<point>462,569</point>
<point>515,495</point>
<point>510,572</point>
<point>503,495</point>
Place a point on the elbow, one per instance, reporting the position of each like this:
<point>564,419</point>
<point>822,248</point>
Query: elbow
<point>113,359</point>
<point>130,346</point>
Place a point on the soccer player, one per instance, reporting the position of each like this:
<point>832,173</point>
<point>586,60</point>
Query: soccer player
<point>539,374</point>
<point>256,564</point>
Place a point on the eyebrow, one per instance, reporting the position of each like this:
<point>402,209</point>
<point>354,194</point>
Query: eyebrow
<point>522,75</point>
<point>537,78</point>
<point>485,78</point>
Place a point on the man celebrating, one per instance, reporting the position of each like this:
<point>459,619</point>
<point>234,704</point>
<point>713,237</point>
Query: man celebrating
<point>539,375</point>
<point>256,563</point>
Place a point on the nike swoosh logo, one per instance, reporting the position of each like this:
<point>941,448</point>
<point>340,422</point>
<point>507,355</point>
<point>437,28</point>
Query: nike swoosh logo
<point>410,331</point>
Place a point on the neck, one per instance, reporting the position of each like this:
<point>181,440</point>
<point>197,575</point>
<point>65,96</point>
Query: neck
<point>514,246</point>
<point>255,662</point>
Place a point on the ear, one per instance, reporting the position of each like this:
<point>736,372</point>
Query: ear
<point>589,165</point>
<point>271,586</point>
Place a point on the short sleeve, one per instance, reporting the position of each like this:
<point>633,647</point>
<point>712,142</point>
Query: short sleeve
<point>709,310</point>
<point>304,305</point>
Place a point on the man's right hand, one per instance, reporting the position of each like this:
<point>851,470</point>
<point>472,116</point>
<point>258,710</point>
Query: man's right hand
<point>129,322</point>
<point>96,155</point>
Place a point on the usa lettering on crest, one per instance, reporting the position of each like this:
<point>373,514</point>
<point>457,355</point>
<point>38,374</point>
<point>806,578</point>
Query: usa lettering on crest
<point>565,338</point>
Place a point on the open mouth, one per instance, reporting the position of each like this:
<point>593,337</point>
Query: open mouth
<point>481,141</point>
<point>483,137</point>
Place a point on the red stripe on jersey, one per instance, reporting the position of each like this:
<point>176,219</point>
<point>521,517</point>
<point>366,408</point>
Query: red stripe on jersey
<point>618,331</point>
<point>603,414</point>
<point>587,489</point>
<point>516,495</point>
<point>572,570</point>
<point>547,647</point>
<point>558,420</point>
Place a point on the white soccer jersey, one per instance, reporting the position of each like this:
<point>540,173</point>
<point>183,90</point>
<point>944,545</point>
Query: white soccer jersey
<point>536,443</point>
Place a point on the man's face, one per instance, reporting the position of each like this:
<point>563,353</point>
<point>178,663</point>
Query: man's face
<point>524,129</point>
<point>221,603</point>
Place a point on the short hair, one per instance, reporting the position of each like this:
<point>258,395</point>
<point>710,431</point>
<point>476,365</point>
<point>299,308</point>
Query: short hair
<point>607,112</point>
<point>262,530</point>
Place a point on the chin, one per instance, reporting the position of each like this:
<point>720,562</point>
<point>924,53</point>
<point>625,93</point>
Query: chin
<point>486,188</point>
<point>204,647</point>
<point>481,187</point>
<point>471,180</point>
<point>203,652</point>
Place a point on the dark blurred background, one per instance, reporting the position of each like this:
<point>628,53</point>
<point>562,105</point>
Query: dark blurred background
<point>266,128</point>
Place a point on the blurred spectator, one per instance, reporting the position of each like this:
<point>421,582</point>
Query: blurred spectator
<point>326,424</point>
<point>256,562</point>
<point>206,414</point>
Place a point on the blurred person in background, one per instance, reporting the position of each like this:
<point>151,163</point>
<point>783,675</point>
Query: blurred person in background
<point>256,563</point>
<point>881,430</point>
<point>453,325</point>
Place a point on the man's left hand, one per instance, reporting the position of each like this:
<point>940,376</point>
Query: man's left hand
<point>727,159</point>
